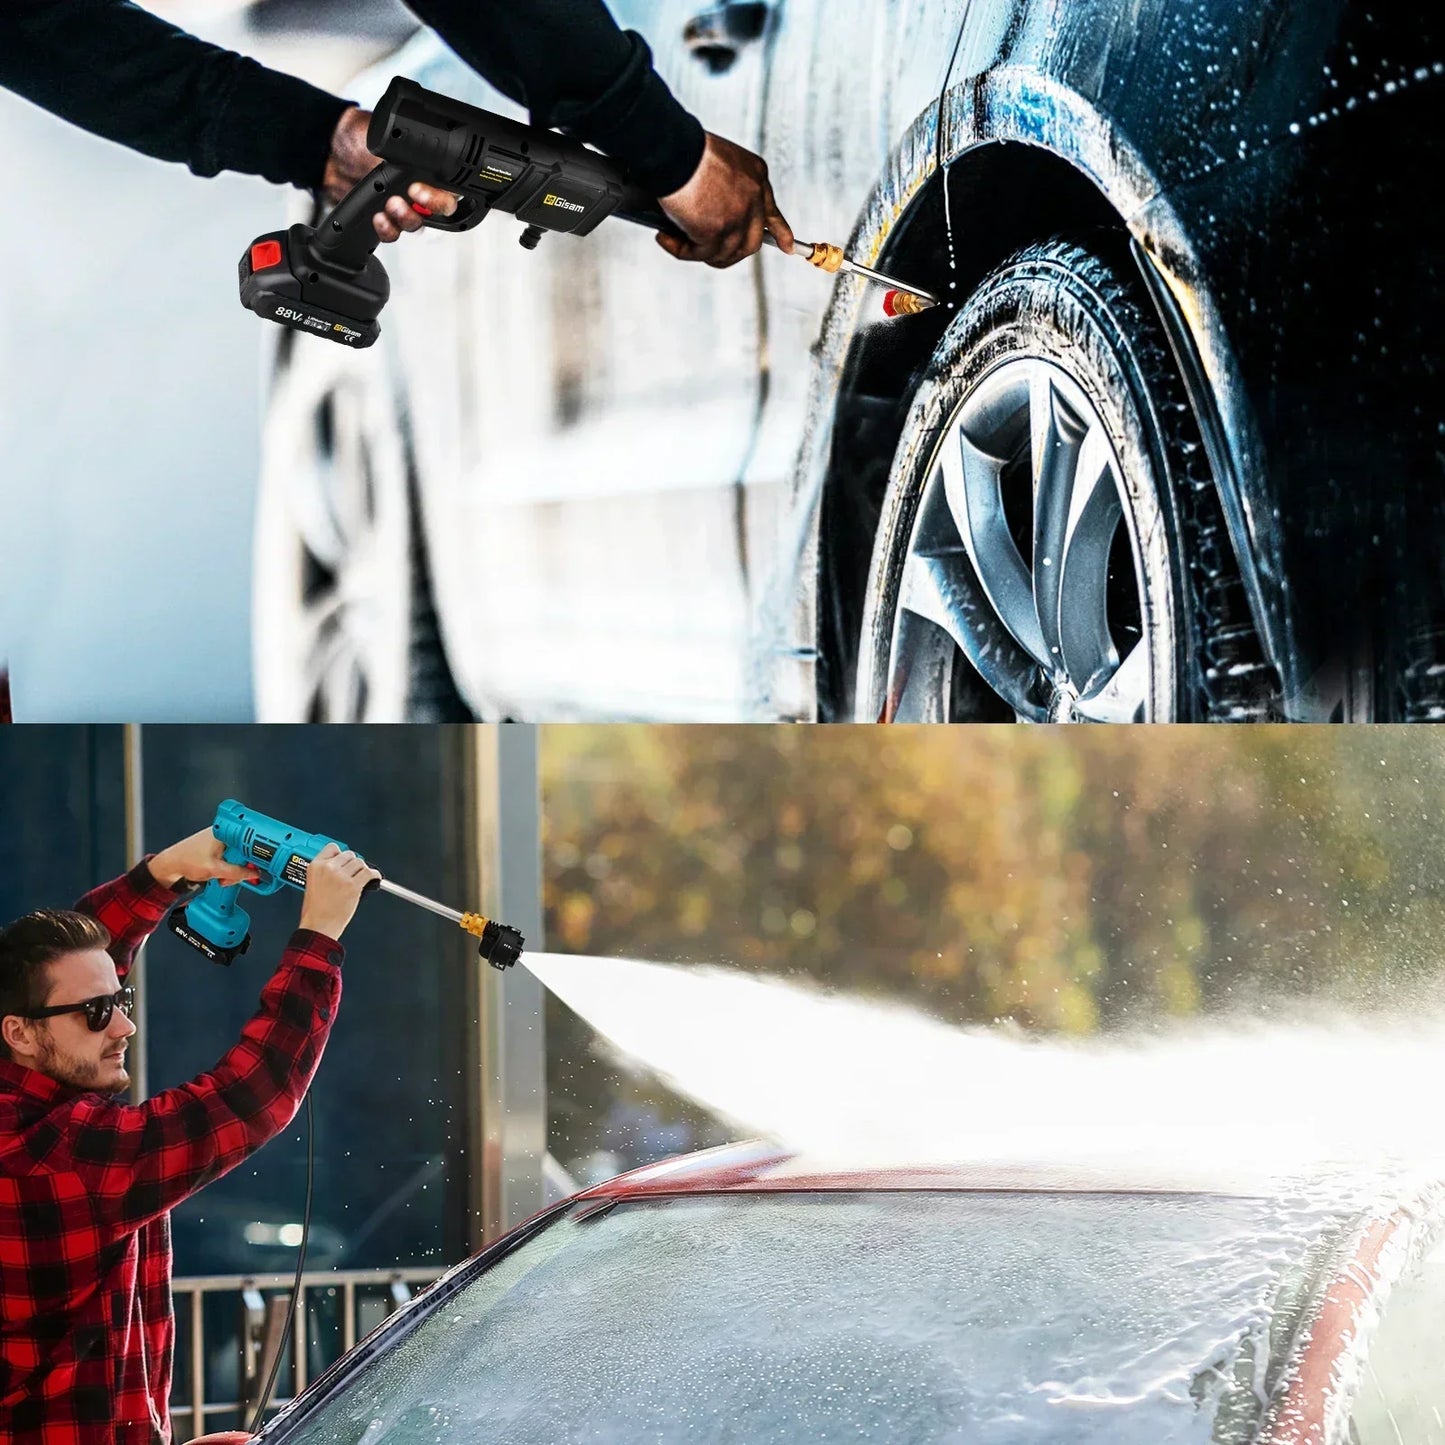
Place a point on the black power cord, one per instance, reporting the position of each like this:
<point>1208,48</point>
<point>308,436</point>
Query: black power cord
<point>300,1265</point>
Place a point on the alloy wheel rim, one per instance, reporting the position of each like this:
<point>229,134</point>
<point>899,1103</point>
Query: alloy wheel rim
<point>340,563</point>
<point>1023,567</point>
<point>332,552</point>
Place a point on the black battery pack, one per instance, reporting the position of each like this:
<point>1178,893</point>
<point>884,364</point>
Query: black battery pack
<point>284,282</point>
<point>176,922</point>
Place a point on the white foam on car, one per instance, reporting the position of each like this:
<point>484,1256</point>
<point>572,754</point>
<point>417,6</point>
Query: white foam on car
<point>1068,1319</point>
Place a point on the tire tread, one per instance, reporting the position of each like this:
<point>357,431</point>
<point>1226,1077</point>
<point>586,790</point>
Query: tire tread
<point>1236,682</point>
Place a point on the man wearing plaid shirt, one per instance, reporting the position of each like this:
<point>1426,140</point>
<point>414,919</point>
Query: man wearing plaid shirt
<point>87,1181</point>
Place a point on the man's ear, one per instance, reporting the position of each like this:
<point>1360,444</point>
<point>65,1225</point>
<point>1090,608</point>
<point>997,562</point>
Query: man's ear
<point>17,1034</point>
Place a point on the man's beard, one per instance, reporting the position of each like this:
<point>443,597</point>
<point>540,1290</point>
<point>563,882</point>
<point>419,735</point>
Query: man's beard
<point>78,1073</point>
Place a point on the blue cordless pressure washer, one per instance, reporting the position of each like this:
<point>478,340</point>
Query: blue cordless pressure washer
<point>214,922</point>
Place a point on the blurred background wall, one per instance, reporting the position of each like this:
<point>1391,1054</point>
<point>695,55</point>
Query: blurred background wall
<point>130,394</point>
<point>413,1077</point>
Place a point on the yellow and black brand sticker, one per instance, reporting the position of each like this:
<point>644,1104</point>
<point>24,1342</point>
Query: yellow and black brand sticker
<point>553,200</point>
<point>295,870</point>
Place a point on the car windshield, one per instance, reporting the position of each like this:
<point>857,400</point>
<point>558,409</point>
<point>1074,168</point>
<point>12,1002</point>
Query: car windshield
<point>888,1316</point>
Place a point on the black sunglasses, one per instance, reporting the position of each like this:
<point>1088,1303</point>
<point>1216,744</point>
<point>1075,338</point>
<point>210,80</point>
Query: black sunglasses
<point>97,1011</point>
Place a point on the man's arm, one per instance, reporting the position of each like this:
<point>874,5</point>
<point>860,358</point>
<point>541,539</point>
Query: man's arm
<point>571,65</point>
<point>131,907</point>
<point>120,72</point>
<point>138,1160</point>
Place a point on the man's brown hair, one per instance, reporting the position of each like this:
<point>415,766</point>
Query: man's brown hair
<point>31,943</point>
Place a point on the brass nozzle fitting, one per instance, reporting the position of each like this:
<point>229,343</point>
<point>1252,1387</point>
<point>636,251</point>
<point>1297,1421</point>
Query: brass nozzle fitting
<point>826,256</point>
<point>499,944</point>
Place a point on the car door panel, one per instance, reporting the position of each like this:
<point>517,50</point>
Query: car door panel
<point>609,410</point>
<point>846,83</point>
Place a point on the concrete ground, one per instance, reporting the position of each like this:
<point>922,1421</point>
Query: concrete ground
<point>130,392</point>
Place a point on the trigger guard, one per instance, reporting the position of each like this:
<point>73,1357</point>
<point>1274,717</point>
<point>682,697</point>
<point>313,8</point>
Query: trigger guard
<point>269,883</point>
<point>470,211</point>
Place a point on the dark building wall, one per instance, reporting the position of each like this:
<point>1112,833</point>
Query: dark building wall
<point>62,814</point>
<point>390,1096</point>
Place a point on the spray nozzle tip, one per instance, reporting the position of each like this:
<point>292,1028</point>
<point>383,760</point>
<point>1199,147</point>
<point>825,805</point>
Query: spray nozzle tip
<point>904,303</point>
<point>498,943</point>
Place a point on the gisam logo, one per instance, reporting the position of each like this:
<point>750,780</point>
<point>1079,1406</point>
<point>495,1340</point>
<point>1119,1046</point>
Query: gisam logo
<point>551,200</point>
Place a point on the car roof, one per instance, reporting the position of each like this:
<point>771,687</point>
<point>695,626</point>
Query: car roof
<point>760,1166</point>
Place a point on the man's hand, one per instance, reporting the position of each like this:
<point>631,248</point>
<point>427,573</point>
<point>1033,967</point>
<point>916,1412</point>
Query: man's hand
<point>198,858</point>
<point>350,161</point>
<point>725,208</point>
<point>334,881</point>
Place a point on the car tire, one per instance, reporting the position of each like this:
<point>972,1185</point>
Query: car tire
<point>1050,420</point>
<point>344,625</point>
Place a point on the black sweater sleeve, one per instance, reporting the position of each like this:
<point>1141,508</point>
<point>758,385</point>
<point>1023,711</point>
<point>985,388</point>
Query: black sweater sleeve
<point>121,72</point>
<point>573,68</point>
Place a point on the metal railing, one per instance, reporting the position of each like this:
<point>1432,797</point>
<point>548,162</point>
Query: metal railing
<point>334,1309</point>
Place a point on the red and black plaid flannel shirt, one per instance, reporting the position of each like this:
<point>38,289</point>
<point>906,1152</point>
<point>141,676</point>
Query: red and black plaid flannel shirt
<point>86,1183</point>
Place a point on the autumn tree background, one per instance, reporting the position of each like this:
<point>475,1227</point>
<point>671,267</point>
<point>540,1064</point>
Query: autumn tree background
<point>1067,880</point>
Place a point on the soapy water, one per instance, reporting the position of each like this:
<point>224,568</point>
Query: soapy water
<point>1063,1320</point>
<point>851,1078</point>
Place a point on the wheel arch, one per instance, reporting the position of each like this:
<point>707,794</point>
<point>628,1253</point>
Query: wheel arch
<point>1014,171</point>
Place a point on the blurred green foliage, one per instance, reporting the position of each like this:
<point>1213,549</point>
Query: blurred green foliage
<point>1071,880</point>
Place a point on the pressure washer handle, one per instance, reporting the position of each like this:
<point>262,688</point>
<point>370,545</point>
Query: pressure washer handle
<point>346,237</point>
<point>643,209</point>
<point>221,903</point>
<point>213,922</point>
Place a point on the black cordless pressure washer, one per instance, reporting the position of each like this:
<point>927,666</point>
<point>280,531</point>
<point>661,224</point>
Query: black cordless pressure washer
<point>326,280</point>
